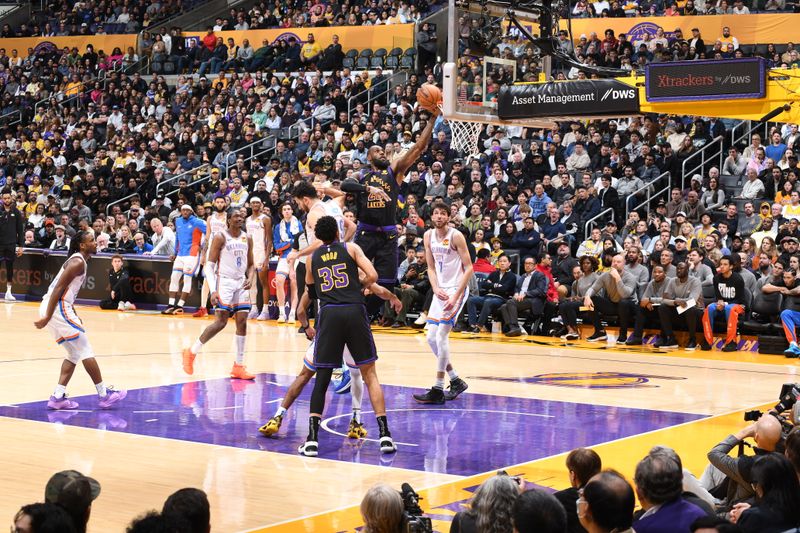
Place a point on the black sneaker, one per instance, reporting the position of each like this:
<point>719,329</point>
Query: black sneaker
<point>633,341</point>
<point>514,332</point>
<point>622,339</point>
<point>177,310</point>
<point>169,310</point>
<point>434,395</point>
<point>570,337</point>
<point>458,328</point>
<point>691,346</point>
<point>457,386</point>
<point>597,336</point>
<point>398,325</point>
<point>475,329</point>
<point>705,346</point>
<point>731,347</point>
<point>309,448</point>
<point>665,342</point>
<point>301,329</point>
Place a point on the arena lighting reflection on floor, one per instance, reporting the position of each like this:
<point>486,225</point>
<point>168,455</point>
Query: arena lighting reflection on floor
<point>475,433</point>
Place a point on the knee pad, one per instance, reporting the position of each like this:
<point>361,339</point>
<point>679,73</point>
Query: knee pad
<point>78,349</point>
<point>175,280</point>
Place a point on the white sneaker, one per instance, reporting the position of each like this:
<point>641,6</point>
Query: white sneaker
<point>423,318</point>
<point>10,297</point>
<point>129,306</point>
<point>121,306</point>
<point>281,319</point>
<point>264,315</point>
<point>253,313</point>
<point>290,318</point>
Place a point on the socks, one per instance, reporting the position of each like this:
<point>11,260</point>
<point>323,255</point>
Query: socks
<point>383,426</point>
<point>281,411</point>
<point>181,302</point>
<point>357,414</point>
<point>452,374</point>
<point>8,289</point>
<point>197,347</point>
<point>313,428</point>
<point>101,389</point>
<point>356,389</point>
<point>240,340</point>
<point>60,392</point>
<point>172,301</point>
<point>439,383</point>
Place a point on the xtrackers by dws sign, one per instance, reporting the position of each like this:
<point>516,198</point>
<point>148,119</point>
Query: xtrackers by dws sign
<point>706,80</point>
<point>552,99</point>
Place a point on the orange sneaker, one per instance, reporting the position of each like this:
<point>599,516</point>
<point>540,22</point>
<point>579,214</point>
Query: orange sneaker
<point>240,372</point>
<point>188,361</point>
<point>200,313</point>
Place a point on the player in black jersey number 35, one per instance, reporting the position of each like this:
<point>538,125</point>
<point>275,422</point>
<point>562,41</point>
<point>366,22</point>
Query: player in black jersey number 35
<point>333,278</point>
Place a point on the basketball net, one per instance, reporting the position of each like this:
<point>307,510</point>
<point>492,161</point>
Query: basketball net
<point>465,136</point>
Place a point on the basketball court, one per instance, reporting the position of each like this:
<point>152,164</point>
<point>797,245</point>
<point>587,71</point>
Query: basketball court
<point>530,400</point>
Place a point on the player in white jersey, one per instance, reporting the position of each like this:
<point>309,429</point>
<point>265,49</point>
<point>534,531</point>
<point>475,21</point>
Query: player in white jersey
<point>449,271</point>
<point>259,228</point>
<point>58,315</point>
<point>229,272</point>
<point>356,430</point>
<point>216,222</point>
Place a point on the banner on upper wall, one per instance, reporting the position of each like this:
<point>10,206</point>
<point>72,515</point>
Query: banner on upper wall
<point>106,43</point>
<point>750,29</point>
<point>706,80</point>
<point>584,97</point>
<point>358,37</point>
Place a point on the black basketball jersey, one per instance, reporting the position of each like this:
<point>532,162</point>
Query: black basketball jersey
<point>336,275</point>
<point>372,209</point>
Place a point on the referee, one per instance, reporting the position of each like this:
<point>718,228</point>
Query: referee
<point>377,233</point>
<point>12,237</point>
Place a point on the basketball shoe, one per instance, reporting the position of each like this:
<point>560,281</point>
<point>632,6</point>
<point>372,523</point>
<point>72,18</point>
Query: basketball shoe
<point>272,426</point>
<point>356,430</point>
<point>342,384</point>
<point>457,386</point>
<point>188,361</point>
<point>310,448</point>
<point>61,403</point>
<point>240,372</point>
<point>200,313</point>
<point>112,396</point>
<point>434,395</point>
<point>387,444</point>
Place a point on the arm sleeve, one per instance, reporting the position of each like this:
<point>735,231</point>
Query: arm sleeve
<point>353,186</point>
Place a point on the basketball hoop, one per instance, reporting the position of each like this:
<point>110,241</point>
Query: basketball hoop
<point>465,135</point>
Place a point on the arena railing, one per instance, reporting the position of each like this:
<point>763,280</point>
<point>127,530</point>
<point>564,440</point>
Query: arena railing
<point>650,193</point>
<point>706,154</point>
<point>372,97</point>
<point>266,143</point>
<point>592,222</point>
<point>102,76</point>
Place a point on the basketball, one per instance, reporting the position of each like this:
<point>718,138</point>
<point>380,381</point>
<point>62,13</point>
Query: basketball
<point>429,96</point>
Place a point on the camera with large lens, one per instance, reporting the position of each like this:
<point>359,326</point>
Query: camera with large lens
<point>787,401</point>
<point>412,512</point>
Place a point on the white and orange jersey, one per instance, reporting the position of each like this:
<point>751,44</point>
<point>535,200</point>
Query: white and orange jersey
<point>255,228</point>
<point>72,289</point>
<point>232,263</point>
<point>447,260</point>
<point>331,209</point>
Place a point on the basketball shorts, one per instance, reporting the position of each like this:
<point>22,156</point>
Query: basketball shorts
<point>188,264</point>
<point>259,258</point>
<point>283,267</point>
<point>437,313</point>
<point>381,249</point>
<point>341,326</point>
<point>68,331</point>
<point>233,298</point>
<point>308,359</point>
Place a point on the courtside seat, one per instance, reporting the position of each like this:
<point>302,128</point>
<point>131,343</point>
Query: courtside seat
<point>764,315</point>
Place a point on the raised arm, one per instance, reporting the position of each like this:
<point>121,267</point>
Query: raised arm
<point>401,165</point>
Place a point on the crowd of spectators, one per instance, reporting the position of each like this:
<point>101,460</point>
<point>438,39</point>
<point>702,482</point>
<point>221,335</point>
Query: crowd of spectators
<point>67,508</point>
<point>647,8</point>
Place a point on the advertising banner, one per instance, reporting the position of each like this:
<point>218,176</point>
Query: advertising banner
<point>706,80</point>
<point>752,29</point>
<point>553,99</point>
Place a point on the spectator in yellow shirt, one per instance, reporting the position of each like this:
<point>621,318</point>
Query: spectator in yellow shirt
<point>311,51</point>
